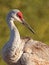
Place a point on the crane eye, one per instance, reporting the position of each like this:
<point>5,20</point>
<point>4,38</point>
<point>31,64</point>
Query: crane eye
<point>19,14</point>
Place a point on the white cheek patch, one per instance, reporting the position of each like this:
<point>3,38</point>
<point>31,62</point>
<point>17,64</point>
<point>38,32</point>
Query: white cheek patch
<point>18,19</point>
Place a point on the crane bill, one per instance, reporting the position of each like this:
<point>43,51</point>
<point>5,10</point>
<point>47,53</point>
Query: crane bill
<point>28,26</point>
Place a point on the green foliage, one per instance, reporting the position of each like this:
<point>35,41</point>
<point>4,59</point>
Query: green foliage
<point>36,13</point>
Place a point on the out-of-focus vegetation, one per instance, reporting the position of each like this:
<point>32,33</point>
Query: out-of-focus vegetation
<point>36,13</point>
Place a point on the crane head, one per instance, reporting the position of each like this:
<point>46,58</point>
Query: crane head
<point>17,15</point>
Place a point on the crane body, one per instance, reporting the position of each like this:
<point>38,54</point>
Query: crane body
<point>23,51</point>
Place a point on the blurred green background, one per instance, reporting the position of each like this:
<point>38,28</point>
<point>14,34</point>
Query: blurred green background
<point>36,13</point>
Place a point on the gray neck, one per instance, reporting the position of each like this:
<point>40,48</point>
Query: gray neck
<point>14,33</point>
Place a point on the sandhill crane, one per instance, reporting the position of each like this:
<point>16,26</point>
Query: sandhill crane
<point>22,51</point>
